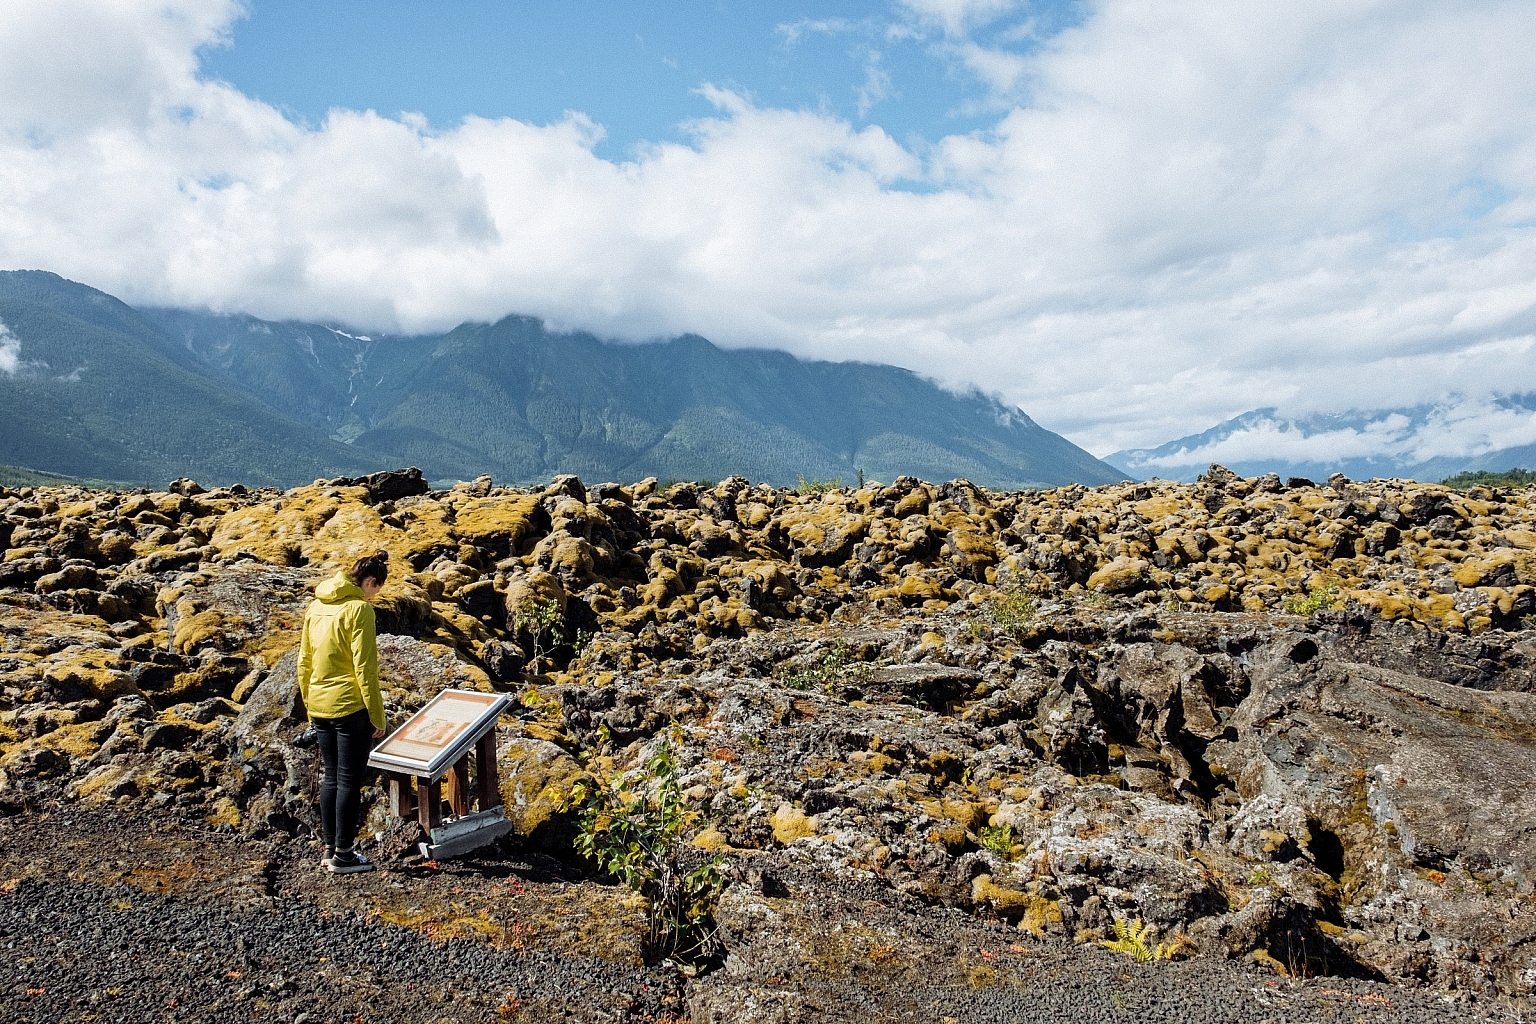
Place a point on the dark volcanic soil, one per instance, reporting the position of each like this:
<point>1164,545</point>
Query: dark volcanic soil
<point>117,917</point>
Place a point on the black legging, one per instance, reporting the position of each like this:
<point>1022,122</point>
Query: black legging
<point>344,744</point>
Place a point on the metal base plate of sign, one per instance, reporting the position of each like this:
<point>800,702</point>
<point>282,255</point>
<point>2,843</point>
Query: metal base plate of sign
<point>461,835</point>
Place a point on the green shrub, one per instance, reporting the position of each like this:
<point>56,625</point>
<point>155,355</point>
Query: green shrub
<point>817,486</point>
<point>544,624</point>
<point>1012,609</point>
<point>637,837</point>
<point>1322,597</point>
<point>836,663</point>
<point>998,838</point>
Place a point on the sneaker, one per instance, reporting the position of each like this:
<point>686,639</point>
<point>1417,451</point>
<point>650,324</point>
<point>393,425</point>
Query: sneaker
<point>345,862</point>
<point>325,858</point>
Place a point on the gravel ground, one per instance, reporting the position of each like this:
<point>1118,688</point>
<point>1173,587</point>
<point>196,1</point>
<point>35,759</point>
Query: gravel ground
<point>77,952</point>
<point>94,928</point>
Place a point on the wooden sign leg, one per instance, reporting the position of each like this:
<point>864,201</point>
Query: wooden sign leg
<point>429,804</point>
<point>458,787</point>
<point>488,776</point>
<point>402,801</point>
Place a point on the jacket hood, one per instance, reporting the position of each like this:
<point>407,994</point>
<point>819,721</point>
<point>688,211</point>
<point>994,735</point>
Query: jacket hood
<point>338,589</point>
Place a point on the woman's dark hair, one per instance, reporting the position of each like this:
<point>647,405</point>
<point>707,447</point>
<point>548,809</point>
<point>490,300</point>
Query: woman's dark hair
<point>371,567</point>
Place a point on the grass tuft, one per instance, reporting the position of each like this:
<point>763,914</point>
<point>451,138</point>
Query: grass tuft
<point>1012,609</point>
<point>837,662</point>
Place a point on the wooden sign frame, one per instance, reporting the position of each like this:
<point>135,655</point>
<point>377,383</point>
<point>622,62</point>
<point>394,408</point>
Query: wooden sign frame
<point>435,738</point>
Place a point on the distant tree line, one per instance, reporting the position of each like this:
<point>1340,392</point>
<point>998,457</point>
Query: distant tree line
<point>1488,478</point>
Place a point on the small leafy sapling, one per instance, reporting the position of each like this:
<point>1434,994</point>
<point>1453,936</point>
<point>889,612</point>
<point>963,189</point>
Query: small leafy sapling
<point>541,619</point>
<point>633,829</point>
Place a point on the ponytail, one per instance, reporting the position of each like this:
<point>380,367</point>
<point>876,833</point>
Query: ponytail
<point>371,567</point>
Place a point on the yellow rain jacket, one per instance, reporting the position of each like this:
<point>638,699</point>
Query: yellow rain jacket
<point>339,655</point>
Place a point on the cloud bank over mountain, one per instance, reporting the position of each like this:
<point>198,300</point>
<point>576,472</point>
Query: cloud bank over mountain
<point>1407,437</point>
<point>1180,212</point>
<point>1428,442</point>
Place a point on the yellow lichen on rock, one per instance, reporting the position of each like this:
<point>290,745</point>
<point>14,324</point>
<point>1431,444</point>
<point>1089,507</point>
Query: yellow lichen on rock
<point>537,777</point>
<point>197,628</point>
<point>114,784</point>
<point>790,823</point>
<point>968,814</point>
<point>502,522</point>
<point>1474,571</point>
<point>1118,576</point>
<point>224,812</point>
<point>712,840</point>
<point>914,502</point>
<point>1158,507</point>
<point>1035,914</point>
<point>89,674</point>
<point>328,528</point>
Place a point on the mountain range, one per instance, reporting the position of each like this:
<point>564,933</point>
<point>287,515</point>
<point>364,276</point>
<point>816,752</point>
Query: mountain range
<point>1400,443</point>
<point>95,388</point>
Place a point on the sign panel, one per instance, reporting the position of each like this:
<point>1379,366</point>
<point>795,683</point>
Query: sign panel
<point>439,734</point>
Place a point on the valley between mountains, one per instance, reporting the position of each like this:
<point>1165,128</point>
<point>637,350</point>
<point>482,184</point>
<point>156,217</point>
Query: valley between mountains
<point>946,742</point>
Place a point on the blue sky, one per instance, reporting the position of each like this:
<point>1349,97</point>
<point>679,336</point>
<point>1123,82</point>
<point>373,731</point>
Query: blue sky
<point>1131,218</point>
<point>633,68</point>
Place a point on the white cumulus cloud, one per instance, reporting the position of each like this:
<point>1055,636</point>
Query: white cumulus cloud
<point>1195,210</point>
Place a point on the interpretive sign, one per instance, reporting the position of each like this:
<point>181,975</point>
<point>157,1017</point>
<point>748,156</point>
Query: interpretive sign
<point>438,735</point>
<point>457,728</point>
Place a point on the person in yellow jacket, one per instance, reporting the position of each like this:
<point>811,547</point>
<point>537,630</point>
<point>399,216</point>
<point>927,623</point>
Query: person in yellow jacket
<point>339,682</point>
